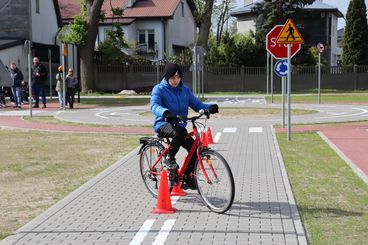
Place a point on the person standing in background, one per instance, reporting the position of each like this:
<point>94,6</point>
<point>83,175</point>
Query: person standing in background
<point>59,85</point>
<point>39,77</point>
<point>17,77</point>
<point>71,83</point>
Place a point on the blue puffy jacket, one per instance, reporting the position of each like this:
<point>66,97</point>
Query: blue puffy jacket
<point>176,100</point>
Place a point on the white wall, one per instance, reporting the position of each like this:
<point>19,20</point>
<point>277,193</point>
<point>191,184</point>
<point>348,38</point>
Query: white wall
<point>245,26</point>
<point>155,25</point>
<point>44,24</point>
<point>17,55</point>
<point>180,30</point>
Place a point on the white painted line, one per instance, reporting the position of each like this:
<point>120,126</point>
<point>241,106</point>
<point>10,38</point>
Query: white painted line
<point>255,130</point>
<point>174,199</point>
<point>363,111</point>
<point>229,130</point>
<point>336,113</point>
<point>217,137</point>
<point>142,233</point>
<point>164,232</point>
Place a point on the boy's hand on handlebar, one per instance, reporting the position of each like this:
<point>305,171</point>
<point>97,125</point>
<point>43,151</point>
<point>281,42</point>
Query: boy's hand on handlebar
<point>214,109</point>
<point>170,118</point>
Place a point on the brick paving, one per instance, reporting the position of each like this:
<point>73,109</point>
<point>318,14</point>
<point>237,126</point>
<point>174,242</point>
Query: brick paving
<point>112,207</point>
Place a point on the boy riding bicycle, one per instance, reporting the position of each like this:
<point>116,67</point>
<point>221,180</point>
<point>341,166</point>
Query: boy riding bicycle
<point>169,99</point>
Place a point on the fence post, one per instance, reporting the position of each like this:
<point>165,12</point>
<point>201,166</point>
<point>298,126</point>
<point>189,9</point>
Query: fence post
<point>242,75</point>
<point>355,85</point>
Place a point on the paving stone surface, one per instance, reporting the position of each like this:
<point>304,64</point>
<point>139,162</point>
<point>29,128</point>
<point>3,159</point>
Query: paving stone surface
<point>111,208</point>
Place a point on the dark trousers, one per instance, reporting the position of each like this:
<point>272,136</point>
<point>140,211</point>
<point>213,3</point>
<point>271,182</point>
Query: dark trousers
<point>70,97</point>
<point>37,90</point>
<point>178,135</point>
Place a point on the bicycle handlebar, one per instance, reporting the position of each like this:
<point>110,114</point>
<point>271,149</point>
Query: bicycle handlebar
<point>193,119</point>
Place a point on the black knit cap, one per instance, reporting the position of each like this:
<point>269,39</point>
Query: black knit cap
<point>171,69</point>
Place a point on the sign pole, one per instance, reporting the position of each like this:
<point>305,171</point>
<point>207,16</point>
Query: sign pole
<point>63,64</point>
<point>289,93</point>
<point>319,77</point>
<point>50,75</point>
<point>268,69</point>
<point>283,101</point>
<point>271,80</point>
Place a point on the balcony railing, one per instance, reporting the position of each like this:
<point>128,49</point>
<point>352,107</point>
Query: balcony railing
<point>146,48</point>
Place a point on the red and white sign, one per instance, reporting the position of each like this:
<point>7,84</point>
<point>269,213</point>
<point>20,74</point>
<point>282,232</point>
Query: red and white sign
<point>320,47</point>
<point>279,51</point>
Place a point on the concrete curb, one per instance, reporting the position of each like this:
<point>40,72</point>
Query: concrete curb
<point>301,234</point>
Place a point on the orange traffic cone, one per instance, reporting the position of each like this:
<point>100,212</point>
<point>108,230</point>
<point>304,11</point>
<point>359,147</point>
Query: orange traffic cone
<point>178,191</point>
<point>163,201</point>
<point>209,136</point>
<point>204,139</point>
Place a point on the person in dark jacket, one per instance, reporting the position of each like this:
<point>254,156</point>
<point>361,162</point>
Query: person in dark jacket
<point>169,99</point>
<point>70,83</point>
<point>39,77</point>
<point>17,77</point>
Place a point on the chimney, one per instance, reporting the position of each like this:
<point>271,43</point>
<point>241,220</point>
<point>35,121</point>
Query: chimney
<point>130,3</point>
<point>248,2</point>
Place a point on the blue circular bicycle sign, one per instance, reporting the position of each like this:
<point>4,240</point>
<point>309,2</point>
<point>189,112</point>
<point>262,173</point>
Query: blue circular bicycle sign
<point>281,68</point>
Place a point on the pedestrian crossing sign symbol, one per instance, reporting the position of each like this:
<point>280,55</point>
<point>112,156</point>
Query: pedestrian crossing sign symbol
<point>289,34</point>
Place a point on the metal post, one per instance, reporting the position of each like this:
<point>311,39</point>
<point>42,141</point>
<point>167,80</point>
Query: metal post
<point>319,78</point>
<point>63,64</point>
<point>283,100</point>
<point>195,71</point>
<point>28,45</point>
<point>271,70</point>
<point>202,81</point>
<point>158,72</point>
<point>289,93</point>
<point>50,75</point>
<point>268,68</point>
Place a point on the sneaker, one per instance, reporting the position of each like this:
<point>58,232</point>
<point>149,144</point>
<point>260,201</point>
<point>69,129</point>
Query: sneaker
<point>43,106</point>
<point>35,106</point>
<point>189,183</point>
<point>170,164</point>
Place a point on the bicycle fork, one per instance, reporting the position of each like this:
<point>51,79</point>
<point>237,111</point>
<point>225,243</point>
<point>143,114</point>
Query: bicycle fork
<point>209,163</point>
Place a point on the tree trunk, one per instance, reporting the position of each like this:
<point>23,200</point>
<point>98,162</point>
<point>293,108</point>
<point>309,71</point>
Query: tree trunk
<point>204,29</point>
<point>87,50</point>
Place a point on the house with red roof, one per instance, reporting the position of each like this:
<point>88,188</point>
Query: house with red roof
<point>158,28</point>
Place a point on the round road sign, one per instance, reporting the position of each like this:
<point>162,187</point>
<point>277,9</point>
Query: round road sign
<point>281,68</point>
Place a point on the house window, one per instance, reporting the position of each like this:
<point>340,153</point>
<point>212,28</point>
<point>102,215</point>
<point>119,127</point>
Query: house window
<point>182,9</point>
<point>37,6</point>
<point>146,40</point>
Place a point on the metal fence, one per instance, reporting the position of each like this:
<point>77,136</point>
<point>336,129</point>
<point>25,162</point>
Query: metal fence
<point>232,78</point>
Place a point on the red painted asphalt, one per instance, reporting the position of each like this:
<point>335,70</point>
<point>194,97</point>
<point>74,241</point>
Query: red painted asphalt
<point>18,122</point>
<point>352,140</point>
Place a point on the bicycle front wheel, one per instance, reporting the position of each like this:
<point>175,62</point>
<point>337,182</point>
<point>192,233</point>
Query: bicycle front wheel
<point>151,175</point>
<point>215,181</point>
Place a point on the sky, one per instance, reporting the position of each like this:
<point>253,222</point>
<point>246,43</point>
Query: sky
<point>342,5</point>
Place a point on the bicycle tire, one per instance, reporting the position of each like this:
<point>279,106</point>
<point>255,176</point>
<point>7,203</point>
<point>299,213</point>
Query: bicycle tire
<point>219,194</point>
<point>148,156</point>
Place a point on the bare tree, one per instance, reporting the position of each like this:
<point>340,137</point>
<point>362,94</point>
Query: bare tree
<point>222,14</point>
<point>203,17</point>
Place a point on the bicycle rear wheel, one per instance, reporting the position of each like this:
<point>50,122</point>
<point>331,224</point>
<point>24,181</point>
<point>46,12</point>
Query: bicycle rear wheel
<point>219,189</point>
<point>151,177</point>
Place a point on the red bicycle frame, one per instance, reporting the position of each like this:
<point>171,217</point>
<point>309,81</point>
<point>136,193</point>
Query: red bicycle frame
<point>196,147</point>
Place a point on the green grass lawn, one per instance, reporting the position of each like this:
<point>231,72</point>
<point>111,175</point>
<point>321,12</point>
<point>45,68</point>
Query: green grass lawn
<point>118,101</point>
<point>339,98</point>
<point>332,200</point>
<point>38,168</point>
